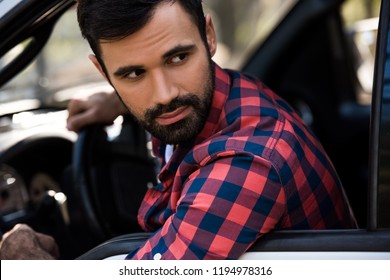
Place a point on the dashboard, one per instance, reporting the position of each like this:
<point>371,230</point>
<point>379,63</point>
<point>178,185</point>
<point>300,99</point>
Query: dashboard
<point>35,155</point>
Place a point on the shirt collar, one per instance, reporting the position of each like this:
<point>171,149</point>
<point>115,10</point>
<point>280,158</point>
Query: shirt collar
<point>216,115</point>
<point>212,124</point>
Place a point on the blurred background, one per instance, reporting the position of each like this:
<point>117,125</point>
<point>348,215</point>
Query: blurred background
<point>240,26</point>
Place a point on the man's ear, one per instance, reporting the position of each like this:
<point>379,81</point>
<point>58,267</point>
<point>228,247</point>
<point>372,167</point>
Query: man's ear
<point>210,35</point>
<point>98,66</point>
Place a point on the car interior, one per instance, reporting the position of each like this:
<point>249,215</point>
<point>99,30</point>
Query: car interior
<point>308,60</point>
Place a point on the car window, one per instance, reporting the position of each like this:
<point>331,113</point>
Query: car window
<point>361,18</point>
<point>7,5</point>
<point>243,25</point>
<point>63,63</point>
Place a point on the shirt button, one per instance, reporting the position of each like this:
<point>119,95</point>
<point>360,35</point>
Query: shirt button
<point>157,257</point>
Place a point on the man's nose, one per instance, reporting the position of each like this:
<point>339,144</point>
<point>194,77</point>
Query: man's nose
<point>164,88</point>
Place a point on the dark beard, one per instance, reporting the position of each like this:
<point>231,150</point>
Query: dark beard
<point>184,129</point>
<point>189,127</point>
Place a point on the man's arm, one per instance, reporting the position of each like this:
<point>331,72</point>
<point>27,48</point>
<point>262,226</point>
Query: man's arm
<point>224,207</point>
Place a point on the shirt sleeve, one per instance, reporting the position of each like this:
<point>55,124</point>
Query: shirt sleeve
<point>224,207</point>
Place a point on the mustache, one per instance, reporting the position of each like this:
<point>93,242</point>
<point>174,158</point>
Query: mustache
<point>186,100</point>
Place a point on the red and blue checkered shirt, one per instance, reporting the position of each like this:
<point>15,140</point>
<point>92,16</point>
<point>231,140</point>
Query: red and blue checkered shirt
<point>254,167</point>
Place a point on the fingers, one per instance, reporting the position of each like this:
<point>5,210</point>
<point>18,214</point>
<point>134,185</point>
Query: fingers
<point>81,119</point>
<point>98,108</point>
<point>48,244</point>
<point>76,106</point>
<point>23,243</point>
<point>78,115</point>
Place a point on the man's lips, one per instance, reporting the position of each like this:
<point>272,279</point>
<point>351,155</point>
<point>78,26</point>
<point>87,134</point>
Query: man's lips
<point>175,116</point>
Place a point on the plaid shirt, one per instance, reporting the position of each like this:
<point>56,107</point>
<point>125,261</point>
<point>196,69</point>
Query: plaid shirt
<point>255,167</point>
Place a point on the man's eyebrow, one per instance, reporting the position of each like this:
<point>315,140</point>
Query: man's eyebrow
<point>178,49</point>
<point>120,72</point>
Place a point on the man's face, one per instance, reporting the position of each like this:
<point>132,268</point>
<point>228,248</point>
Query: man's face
<point>163,73</point>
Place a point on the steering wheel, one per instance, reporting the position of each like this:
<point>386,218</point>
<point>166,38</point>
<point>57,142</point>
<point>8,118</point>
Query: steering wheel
<point>111,177</point>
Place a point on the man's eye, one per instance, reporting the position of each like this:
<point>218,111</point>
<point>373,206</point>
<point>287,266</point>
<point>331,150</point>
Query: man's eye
<point>135,74</point>
<point>178,58</point>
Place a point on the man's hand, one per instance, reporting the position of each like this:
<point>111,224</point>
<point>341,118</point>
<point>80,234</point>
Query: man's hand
<point>23,243</point>
<point>98,108</point>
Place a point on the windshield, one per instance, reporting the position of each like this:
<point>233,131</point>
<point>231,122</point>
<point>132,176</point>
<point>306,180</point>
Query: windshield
<point>63,64</point>
<point>7,5</point>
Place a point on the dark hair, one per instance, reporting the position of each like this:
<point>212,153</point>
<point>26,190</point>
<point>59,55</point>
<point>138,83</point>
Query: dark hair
<point>116,19</point>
